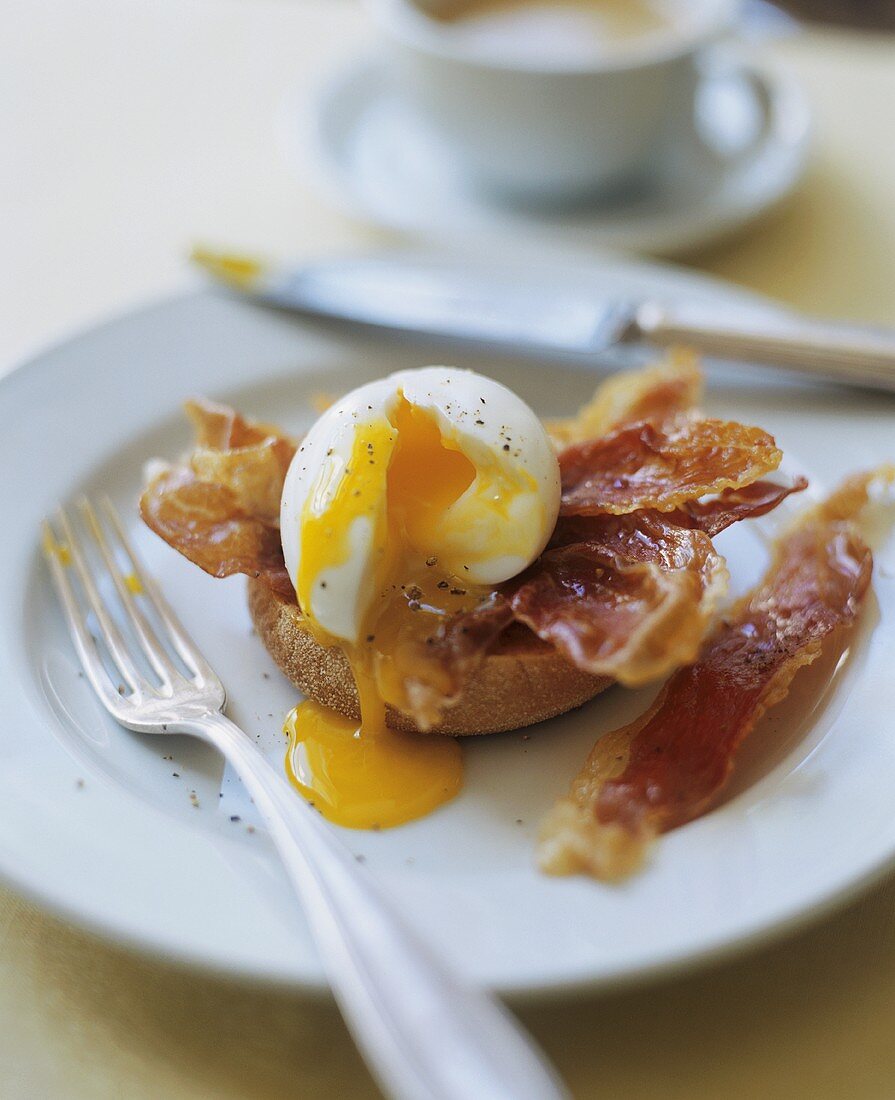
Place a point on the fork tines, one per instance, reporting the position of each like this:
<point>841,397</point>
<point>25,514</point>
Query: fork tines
<point>66,555</point>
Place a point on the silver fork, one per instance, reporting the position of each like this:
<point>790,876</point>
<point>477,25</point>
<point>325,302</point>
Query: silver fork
<point>423,1031</point>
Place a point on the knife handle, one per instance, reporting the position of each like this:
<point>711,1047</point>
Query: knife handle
<point>850,354</point>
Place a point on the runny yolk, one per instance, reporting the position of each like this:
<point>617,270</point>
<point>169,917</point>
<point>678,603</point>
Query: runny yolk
<point>400,478</point>
<point>366,780</point>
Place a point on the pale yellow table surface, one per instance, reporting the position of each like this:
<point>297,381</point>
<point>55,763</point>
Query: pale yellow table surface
<point>129,128</point>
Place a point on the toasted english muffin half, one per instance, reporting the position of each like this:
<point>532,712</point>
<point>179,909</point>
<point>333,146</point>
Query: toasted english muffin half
<point>522,680</point>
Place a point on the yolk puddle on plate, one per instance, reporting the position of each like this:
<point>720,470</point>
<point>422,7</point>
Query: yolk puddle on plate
<point>368,779</point>
<point>365,775</point>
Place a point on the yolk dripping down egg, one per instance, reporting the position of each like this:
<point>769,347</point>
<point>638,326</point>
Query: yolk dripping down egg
<point>407,501</point>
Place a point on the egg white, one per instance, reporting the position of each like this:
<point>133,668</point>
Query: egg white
<point>487,422</point>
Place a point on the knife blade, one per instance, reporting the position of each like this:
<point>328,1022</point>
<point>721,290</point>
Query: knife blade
<point>475,307</point>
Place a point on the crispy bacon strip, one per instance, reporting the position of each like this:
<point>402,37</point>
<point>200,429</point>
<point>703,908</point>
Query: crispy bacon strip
<point>631,602</point>
<point>668,766</point>
<point>221,508</point>
<point>662,466</point>
<point>654,393</point>
<point>712,516</point>
<point>249,458</point>
<point>221,428</point>
<point>751,501</point>
<point>631,596</point>
<point>203,521</point>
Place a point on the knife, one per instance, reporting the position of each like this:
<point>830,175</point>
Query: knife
<point>459,305</point>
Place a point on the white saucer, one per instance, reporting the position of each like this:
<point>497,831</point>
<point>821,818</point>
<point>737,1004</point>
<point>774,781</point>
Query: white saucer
<point>378,158</point>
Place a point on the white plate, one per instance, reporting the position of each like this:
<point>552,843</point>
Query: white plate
<point>376,155</point>
<point>809,816</point>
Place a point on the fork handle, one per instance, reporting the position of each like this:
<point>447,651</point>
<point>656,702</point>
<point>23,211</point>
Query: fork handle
<point>423,1031</point>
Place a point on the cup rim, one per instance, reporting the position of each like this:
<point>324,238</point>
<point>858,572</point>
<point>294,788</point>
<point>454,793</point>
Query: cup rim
<point>406,23</point>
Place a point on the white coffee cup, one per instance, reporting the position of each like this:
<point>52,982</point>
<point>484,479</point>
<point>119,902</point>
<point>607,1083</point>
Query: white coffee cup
<point>535,129</point>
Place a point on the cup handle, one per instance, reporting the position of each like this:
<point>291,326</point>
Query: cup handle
<point>725,62</point>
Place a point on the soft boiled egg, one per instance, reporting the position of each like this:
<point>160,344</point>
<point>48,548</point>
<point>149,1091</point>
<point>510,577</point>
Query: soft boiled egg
<point>408,500</point>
